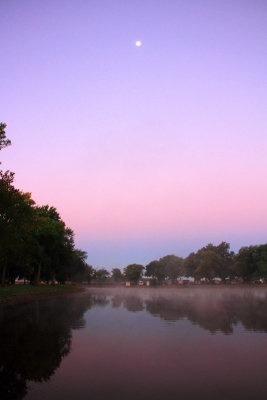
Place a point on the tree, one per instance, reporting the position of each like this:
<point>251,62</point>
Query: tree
<point>156,269</point>
<point>117,275</point>
<point>49,212</point>
<point>73,264</point>
<point>261,261</point>
<point>50,246</point>
<point>90,273</point>
<point>102,275</point>
<point>210,262</point>
<point>249,264</point>
<point>226,260</point>
<point>173,266</point>
<point>207,264</point>
<point>133,272</point>
<point>16,210</point>
<point>4,142</point>
<point>190,264</point>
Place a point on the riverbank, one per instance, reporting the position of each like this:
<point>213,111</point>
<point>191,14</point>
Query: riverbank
<point>22,293</point>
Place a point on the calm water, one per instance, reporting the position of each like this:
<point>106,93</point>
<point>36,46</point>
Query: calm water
<point>137,344</point>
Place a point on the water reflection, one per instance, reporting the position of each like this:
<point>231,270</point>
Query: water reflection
<point>212,309</point>
<point>36,337</point>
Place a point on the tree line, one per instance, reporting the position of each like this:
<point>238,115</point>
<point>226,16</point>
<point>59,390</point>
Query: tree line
<point>249,264</point>
<point>35,243</point>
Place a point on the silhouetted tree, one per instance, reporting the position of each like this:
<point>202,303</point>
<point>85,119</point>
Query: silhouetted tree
<point>156,269</point>
<point>251,262</point>
<point>173,266</point>
<point>117,275</point>
<point>4,142</point>
<point>133,272</point>
<point>101,275</point>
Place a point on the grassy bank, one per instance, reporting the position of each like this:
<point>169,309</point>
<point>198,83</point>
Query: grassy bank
<point>21,293</point>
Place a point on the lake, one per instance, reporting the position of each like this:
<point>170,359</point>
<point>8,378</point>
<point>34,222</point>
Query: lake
<point>144,343</point>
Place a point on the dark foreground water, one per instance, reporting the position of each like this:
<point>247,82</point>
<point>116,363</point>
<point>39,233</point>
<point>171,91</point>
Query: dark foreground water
<point>137,344</point>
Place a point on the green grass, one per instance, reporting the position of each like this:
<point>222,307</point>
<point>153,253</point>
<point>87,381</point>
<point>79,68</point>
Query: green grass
<point>21,290</point>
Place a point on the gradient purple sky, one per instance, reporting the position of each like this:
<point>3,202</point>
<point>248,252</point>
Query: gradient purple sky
<point>144,151</point>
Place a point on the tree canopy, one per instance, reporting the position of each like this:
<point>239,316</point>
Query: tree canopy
<point>4,142</point>
<point>117,275</point>
<point>133,272</point>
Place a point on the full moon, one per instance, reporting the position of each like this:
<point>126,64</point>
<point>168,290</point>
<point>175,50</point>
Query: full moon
<point>138,43</point>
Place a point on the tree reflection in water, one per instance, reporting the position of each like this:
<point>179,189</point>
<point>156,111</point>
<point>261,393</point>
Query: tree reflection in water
<point>215,309</point>
<point>35,337</point>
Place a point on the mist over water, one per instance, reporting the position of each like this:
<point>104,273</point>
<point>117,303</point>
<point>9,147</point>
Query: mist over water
<point>137,343</point>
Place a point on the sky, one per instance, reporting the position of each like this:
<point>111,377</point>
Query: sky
<point>144,151</point>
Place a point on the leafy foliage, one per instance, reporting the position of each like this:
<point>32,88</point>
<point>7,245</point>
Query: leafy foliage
<point>251,262</point>
<point>133,272</point>
<point>101,275</point>
<point>117,275</point>
<point>4,142</point>
<point>156,269</point>
<point>211,262</point>
<point>173,266</point>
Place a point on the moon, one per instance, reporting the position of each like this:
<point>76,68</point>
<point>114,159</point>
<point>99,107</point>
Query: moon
<point>138,43</point>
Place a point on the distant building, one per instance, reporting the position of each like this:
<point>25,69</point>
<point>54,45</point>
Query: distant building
<point>217,281</point>
<point>183,281</point>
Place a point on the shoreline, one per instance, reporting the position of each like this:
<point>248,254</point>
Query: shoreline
<point>186,286</point>
<point>19,294</point>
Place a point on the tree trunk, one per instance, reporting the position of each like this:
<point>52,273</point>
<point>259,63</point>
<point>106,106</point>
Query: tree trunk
<point>3,277</point>
<point>36,276</point>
